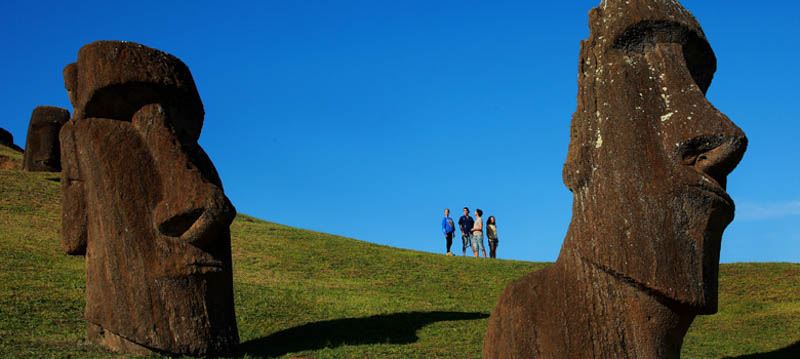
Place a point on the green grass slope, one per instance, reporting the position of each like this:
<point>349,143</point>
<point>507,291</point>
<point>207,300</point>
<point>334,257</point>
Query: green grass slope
<point>10,159</point>
<point>313,295</point>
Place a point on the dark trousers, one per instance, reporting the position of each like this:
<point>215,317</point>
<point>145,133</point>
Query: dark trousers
<point>493,248</point>
<point>449,238</point>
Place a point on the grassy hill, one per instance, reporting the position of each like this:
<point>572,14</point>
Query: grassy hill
<point>10,159</point>
<point>313,295</point>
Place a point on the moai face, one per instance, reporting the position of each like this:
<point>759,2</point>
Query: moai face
<point>649,155</point>
<point>158,242</point>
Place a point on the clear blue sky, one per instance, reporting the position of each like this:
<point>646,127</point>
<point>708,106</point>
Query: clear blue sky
<point>367,118</point>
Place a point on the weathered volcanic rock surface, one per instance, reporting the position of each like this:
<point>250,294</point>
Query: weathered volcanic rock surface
<point>647,165</point>
<point>145,204</point>
<point>42,146</point>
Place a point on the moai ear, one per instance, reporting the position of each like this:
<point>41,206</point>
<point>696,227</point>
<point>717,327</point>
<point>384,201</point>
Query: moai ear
<point>74,220</point>
<point>70,75</point>
<point>73,214</point>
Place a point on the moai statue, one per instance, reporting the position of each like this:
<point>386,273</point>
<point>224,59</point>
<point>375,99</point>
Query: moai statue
<point>145,204</point>
<point>647,166</point>
<point>41,146</point>
<point>7,139</point>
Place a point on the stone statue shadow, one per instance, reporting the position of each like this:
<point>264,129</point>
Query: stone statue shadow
<point>395,328</point>
<point>791,351</point>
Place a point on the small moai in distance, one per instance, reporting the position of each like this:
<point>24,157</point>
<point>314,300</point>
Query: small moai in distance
<point>647,165</point>
<point>144,203</point>
<point>42,146</point>
<point>7,139</point>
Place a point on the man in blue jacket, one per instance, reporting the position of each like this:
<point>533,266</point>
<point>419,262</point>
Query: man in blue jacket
<point>448,228</point>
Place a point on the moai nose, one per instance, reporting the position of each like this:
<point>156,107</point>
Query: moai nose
<point>715,156</point>
<point>176,224</point>
<point>720,161</point>
<point>191,206</point>
<point>197,225</point>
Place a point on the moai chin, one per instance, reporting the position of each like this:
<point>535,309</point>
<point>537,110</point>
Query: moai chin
<point>647,165</point>
<point>41,145</point>
<point>144,203</point>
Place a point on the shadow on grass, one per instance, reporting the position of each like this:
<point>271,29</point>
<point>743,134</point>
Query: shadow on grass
<point>792,351</point>
<point>396,328</point>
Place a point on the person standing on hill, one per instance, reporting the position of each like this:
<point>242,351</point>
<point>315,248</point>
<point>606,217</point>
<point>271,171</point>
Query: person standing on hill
<point>491,235</point>
<point>448,228</point>
<point>465,223</point>
<point>477,234</point>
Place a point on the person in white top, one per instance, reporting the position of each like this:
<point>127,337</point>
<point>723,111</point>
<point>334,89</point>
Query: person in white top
<point>477,234</point>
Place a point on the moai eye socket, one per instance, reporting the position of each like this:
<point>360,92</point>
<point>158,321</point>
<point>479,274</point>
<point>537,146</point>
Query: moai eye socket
<point>122,101</point>
<point>697,53</point>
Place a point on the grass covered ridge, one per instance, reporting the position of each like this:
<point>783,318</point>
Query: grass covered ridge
<point>308,294</point>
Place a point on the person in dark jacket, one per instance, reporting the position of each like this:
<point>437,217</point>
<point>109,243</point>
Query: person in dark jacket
<point>466,223</point>
<point>491,235</point>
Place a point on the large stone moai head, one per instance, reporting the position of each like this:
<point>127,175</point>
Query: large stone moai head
<point>648,154</point>
<point>42,147</point>
<point>145,204</point>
